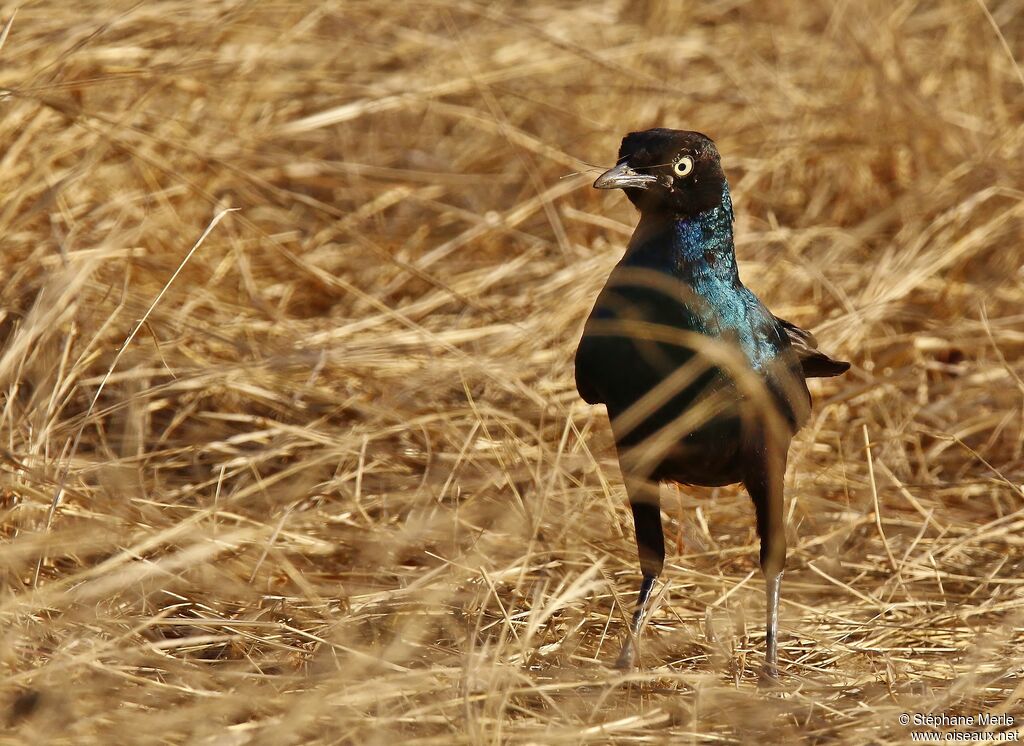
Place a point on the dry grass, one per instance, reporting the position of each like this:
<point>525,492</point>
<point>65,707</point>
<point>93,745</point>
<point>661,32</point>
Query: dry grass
<point>339,487</point>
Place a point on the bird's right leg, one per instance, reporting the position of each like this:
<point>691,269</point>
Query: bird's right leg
<point>650,543</point>
<point>765,485</point>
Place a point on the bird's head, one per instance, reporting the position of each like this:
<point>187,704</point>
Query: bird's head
<point>668,171</point>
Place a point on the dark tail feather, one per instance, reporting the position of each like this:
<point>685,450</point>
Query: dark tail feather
<point>819,365</point>
<point>816,364</point>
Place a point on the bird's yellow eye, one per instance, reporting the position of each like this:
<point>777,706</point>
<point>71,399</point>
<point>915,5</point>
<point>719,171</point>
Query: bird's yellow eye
<point>683,166</point>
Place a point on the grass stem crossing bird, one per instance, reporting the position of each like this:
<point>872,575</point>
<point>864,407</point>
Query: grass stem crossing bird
<point>703,384</point>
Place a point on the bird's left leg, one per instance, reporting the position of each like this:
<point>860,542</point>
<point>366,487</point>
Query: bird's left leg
<point>645,501</point>
<point>764,482</point>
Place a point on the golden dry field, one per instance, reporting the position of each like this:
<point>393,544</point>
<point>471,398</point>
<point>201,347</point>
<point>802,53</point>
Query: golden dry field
<point>315,470</point>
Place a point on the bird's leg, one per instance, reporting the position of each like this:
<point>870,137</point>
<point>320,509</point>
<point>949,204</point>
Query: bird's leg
<point>765,487</point>
<point>773,584</point>
<point>682,519</point>
<point>627,656</point>
<point>650,542</point>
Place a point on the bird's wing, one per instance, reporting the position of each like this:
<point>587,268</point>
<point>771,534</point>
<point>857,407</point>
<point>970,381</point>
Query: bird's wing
<point>815,363</point>
<point>588,391</point>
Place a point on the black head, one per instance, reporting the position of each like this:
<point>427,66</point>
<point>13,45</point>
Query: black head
<point>672,171</point>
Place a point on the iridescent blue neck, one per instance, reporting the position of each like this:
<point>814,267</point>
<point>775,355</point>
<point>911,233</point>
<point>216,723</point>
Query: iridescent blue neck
<point>703,243</point>
<point>696,247</point>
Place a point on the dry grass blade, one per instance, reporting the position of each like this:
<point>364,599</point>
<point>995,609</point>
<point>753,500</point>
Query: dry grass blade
<point>345,492</point>
<point>7,29</point>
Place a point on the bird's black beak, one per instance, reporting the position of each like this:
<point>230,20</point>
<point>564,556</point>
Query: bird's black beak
<point>623,177</point>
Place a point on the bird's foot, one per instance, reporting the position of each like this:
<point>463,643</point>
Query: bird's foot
<point>627,658</point>
<point>769,678</point>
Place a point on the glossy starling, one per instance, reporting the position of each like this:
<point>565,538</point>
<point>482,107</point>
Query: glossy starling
<point>703,385</point>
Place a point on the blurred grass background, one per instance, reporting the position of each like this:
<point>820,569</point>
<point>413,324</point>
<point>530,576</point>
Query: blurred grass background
<point>339,487</point>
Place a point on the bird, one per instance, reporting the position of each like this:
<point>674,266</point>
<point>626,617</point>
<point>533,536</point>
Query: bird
<point>703,385</point>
